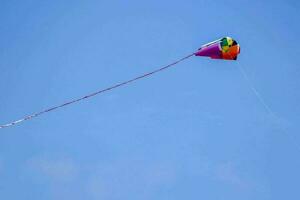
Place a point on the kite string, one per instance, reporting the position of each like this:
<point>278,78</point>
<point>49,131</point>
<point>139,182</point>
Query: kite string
<point>254,90</point>
<point>283,129</point>
<point>95,93</point>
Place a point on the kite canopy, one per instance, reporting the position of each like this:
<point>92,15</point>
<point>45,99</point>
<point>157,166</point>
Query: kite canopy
<point>225,48</point>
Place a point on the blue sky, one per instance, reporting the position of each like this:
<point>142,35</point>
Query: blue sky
<point>196,131</point>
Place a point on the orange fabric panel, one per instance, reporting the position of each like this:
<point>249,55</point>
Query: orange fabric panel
<point>231,53</point>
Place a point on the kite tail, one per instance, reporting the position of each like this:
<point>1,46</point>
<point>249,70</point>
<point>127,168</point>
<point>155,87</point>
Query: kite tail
<point>95,93</point>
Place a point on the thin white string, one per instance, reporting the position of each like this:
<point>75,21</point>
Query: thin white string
<point>256,93</point>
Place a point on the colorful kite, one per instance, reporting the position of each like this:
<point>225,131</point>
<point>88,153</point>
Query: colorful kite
<point>225,48</point>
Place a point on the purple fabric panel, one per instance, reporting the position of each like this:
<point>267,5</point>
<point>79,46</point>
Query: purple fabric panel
<point>212,51</point>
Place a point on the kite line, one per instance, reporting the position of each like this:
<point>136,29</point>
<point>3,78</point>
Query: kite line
<point>96,93</point>
<point>254,90</point>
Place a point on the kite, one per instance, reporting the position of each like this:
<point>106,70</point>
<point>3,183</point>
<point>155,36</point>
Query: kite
<point>225,48</point>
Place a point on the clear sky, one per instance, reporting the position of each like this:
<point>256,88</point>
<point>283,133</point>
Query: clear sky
<point>196,131</point>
